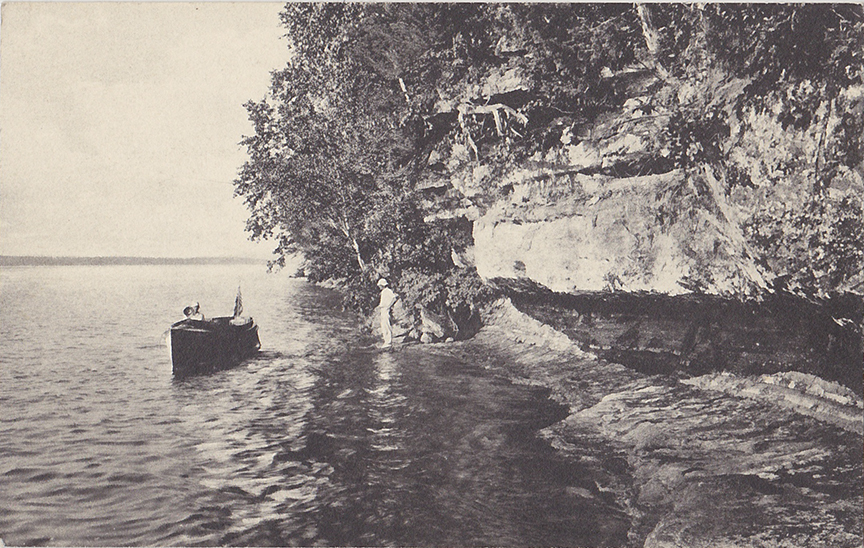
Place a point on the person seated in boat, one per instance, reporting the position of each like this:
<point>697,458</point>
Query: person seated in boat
<point>193,312</point>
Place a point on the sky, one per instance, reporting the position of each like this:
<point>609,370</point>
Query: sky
<point>120,125</point>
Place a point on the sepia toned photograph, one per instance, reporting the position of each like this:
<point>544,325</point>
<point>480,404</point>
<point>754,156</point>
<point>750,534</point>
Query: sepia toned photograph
<point>432,274</point>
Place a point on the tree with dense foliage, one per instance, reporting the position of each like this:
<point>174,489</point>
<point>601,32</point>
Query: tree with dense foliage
<point>393,122</point>
<point>773,114</point>
<point>331,161</point>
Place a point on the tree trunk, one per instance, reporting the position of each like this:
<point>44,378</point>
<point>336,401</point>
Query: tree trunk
<point>652,40</point>
<point>342,226</point>
<point>360,260</point>
<point>820,150</point>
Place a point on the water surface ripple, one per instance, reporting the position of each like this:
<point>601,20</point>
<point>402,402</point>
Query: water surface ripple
<point>318,441</point>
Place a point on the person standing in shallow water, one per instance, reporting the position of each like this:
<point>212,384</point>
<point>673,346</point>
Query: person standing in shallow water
<point>386,303</point>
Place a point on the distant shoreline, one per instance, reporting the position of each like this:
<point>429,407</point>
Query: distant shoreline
<point>35,260</point>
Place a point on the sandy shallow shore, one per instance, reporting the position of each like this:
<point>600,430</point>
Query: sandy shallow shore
<point>714,460</point>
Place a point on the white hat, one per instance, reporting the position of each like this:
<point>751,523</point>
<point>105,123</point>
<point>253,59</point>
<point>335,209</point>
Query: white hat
<point>382,283</point>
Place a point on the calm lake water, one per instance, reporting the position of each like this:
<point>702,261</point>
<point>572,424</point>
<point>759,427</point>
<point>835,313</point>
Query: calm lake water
<point>320,440</point>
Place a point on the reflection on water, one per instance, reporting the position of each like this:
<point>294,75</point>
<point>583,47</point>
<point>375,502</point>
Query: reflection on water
<point>319,440</point>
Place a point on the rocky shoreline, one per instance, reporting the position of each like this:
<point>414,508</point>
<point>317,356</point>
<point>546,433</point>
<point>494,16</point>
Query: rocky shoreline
<point>712,460</point>
<point>827,401</point>
<point>805,394</point>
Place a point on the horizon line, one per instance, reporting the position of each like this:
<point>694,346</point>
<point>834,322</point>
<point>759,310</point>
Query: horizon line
<point>34,260</point>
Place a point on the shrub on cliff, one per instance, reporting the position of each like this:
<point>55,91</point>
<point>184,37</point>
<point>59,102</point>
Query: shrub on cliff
<point>767,101</point>
<point>816,247</point>
<point>457,294</point>
<point>390,114</point>
<point>343,142</point>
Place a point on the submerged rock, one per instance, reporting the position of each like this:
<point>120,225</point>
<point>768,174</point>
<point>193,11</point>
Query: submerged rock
<point>715,460</point>
<point>805,394</point>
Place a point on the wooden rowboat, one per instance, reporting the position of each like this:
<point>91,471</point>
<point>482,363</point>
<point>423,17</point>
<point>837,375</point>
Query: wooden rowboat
<point>203,346</point>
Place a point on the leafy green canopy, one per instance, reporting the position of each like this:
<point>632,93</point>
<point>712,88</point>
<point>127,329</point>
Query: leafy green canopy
<point>383,106</point>
<point>342,142</point>
<point>773,111</point>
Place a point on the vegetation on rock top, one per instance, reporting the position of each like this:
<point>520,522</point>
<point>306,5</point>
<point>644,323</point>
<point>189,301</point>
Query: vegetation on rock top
<point>394,126</point>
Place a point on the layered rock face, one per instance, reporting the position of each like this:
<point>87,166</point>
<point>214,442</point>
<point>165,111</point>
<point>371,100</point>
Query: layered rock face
<point>607,204</point>
<point>636,268</point>
<point>595,239</point>
<point>713,466</point>
<point>692,335</point>
<point>569,231</point>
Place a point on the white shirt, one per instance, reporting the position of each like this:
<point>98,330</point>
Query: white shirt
<point>387,299</point>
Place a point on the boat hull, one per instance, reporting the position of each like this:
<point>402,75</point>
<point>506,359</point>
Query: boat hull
<point>199,347</point>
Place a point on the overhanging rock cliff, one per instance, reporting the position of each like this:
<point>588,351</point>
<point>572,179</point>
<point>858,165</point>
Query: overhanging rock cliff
<point>570,231</point>
<point>595,255</point>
